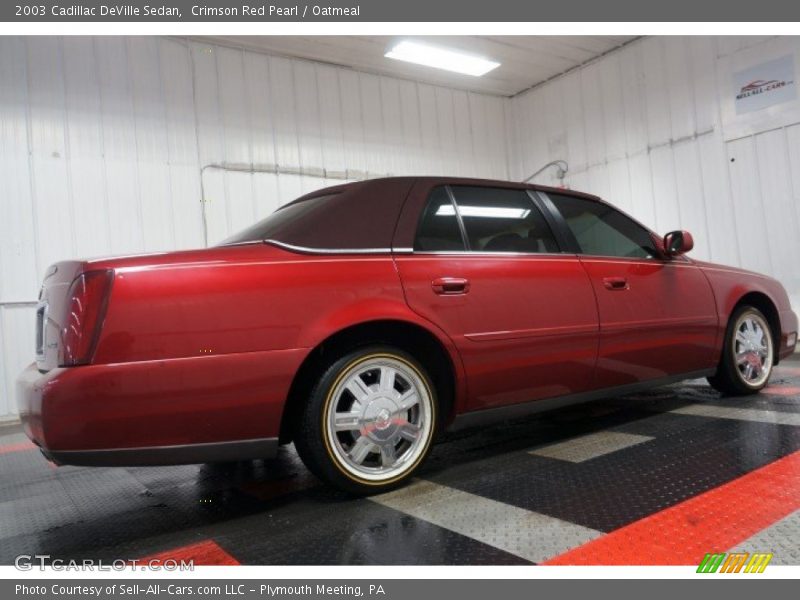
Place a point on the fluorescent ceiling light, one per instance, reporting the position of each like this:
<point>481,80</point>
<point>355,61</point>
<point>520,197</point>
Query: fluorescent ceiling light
<point>490,212</point>
<point>441,58</point>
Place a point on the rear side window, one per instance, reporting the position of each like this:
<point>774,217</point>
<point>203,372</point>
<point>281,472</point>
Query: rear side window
<point>502,220</point>
<point>600,230</point>
<point>438,229</point>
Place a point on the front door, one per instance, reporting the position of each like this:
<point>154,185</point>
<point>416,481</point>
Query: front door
<point>487,269</point>
<point>657,315</point>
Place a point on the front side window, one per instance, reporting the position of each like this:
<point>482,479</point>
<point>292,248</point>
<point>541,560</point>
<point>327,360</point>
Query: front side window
<point>600,230</point>
<point>502,220</point>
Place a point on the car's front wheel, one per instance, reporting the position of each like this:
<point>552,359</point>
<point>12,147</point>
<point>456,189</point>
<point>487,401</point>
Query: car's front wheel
<point>369,421</point>
<point>747,355</point>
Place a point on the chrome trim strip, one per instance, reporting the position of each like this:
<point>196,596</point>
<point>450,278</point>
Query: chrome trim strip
<point>225,244</point>
<point>485,254</point>
<point>569,330</point>
<point>307,250</point>
<point>167,455</point>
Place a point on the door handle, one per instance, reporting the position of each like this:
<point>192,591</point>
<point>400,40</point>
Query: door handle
<point>615,283</point>
<point>450,286</point>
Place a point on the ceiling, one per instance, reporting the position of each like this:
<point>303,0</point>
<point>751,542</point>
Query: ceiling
<point>525,60</point>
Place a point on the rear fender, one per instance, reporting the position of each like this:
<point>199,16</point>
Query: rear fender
<point>371,310</point>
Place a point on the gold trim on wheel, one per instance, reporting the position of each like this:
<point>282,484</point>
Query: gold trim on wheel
<point>372,420</point>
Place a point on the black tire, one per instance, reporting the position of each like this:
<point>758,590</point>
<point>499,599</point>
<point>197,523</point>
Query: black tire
<point>729,378</point>
<point>323,449</point>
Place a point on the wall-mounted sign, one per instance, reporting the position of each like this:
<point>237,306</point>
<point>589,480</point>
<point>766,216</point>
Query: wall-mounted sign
<point>764,85</point>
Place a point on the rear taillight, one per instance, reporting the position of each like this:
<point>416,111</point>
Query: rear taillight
<point>87,301</point>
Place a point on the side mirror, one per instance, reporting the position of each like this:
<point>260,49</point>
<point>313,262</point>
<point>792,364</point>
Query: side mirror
<point>678,242</point>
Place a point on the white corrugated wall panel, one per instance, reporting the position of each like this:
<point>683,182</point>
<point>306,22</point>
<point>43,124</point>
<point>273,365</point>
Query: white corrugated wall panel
<point>284,120</point>
<point>613,115</point>
<point>633,102</point>
<point>431,142</point>
<point>656,90</point>
<point>352,121</point>
<point>19,273</point>
<point>573,123</point>
<point>688,187</point>
<point>177,82</point>
<point>751,227</point>
<point>412,129</point>
<point>704,84</point>
<point>18,347</point>
<point>48,148</point>
<point>330,107</point>
<point>447,132</point>
<point>463,129</point>
<point>308,117</point>
<point>236,141</point>
<point>392,121</point>
<point>119,146</point>
<point>778,202</point>
<point>377,160</point>
<point>499,158</point>
<point>210,139</point>
<point>85,135</point>
<point>793,149</point>
<point>152,149</point>
<point>679,87</point>
<point>593,115</point>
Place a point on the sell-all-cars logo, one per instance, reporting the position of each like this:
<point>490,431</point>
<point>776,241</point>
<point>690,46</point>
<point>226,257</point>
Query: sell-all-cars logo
<point>735,562</point>
<point>760,86</point>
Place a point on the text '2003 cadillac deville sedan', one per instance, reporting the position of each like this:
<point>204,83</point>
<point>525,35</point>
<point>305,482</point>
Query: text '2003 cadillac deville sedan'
<point>359,320</point>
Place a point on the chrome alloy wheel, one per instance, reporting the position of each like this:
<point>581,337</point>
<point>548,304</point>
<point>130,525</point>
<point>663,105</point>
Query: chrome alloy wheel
<point>752,349</point>
<point>379,418</point>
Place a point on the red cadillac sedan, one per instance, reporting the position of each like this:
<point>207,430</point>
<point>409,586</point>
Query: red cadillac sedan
<point>360,320</point>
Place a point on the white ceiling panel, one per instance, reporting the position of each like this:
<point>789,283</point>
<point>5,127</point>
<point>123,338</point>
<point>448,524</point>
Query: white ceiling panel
<point>524,60</point>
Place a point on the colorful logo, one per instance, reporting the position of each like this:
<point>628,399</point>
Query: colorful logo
<point>759,86</point>
<point>735,562</point>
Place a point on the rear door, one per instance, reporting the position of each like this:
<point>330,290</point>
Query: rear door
<point>657,315</point>
<point>486,267</point>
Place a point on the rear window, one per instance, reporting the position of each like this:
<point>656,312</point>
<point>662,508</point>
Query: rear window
<point>281,222</point>
<point>358,216</point>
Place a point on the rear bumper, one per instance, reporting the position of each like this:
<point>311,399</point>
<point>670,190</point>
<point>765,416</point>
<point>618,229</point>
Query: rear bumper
<point>189,410</point>
<point>788,333</point>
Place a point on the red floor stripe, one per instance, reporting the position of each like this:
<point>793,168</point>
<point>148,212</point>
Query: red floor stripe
<point>781,390</point>
<point>714,521</point>
<point>205,553</point>
<point>21,447</point>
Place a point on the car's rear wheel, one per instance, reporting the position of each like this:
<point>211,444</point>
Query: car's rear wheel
<point>747,356</point>
<point>369,421</point>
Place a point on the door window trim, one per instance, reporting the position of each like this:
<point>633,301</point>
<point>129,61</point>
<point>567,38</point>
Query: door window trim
<point>464,238</point>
